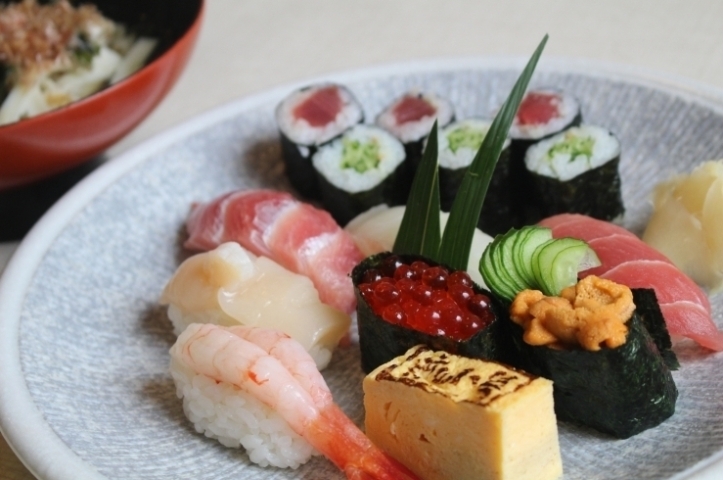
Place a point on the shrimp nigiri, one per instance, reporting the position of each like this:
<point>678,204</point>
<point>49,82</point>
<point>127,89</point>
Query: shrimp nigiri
<point>274,370</point>
<point>230,286</point>
<point>296,235</point>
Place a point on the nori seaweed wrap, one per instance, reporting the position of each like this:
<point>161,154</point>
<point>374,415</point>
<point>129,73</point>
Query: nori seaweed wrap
<point>359,170</point>
<point>543,113</point>
<point>307,119</point>
<point>577,171</point>
<point>410,118</point>
<point>381,341</point>
<point>621,391</point>
<point>458,144</point>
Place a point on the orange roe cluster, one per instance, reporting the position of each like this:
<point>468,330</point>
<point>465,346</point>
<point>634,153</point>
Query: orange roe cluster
<point>426,298</point>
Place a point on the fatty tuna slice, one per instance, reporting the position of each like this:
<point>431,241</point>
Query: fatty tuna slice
<point>296,235</point>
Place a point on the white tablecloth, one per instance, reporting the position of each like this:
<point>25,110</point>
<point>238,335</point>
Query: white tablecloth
<point>252,45</point>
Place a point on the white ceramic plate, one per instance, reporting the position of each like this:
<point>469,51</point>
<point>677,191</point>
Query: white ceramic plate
<point>84,387</point>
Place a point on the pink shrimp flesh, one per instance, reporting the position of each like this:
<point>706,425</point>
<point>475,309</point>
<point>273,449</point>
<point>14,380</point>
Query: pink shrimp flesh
<point>267,365</point>
<point>296,235</point>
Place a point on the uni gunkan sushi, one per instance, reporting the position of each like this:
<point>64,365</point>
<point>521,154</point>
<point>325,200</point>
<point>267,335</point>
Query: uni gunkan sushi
<point>308,118</point>
<point>458,145</point>
<point>576,171</point>
<point>362,168</point>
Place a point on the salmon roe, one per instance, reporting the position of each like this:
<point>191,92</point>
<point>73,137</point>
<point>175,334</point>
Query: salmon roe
<point>426,298</point>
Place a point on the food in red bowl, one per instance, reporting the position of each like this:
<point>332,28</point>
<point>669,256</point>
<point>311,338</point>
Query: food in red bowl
<point>37,146</point>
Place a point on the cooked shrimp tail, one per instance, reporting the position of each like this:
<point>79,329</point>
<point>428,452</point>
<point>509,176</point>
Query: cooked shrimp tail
<point>341,441</point>
<point>277,371</point>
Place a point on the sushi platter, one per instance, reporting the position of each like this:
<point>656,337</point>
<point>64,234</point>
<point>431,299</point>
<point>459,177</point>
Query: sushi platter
<point>84,339</point>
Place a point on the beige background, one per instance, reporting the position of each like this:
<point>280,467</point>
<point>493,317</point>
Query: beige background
<point>249,46</point>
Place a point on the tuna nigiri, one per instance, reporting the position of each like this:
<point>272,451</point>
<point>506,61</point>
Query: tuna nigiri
<point>296,235</point>
<point>627,260</point>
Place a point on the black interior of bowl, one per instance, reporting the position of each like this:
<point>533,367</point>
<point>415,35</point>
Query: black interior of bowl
<point>165,20</point>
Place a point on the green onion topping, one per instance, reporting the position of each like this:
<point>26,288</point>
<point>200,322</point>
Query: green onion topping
<point>359,156</point>
<point>573,146</point>
<point>465,137</point>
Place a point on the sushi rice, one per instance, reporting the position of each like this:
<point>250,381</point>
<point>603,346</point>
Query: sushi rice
<point>235,418</point>
<point>568,110</point>
<point>411,131</point>
<point>360,160</point>
<point>572,152</point>
<point>301,132</point>
<point>459,142</point>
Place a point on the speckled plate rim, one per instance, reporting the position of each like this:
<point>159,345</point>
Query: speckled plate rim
<point>21,422</point>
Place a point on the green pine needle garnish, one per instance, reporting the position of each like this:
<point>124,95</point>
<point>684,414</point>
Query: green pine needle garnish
<point>457,238</point>
<point>419,232</point>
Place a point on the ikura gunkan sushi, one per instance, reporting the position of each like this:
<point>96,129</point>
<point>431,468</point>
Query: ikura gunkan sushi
<point>410,118</point>
<point>406,300</point>
<point>458,145</point>
<point>576,171</point>
<point>308,118</point>
<point>359,170</point>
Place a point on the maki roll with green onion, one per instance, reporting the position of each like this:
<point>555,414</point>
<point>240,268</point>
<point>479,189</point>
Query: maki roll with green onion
<point>543,112</point>
<point>577,171</point>
<point>307,119</point>
<point>405,300</point>
<point>458,145</point>
<point>410,118</point>
<point>359,170</point>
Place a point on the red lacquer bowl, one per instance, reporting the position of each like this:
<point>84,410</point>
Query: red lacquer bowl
<point>49,143</point>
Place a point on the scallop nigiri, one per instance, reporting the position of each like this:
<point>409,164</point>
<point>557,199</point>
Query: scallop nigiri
<point>376,229</point>
<point>259,389</point>
<point>627,260</point>
<point>298,236</point>
<point>230,286</point>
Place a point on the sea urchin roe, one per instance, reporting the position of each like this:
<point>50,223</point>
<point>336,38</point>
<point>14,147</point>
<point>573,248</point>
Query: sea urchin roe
<point>426,298</point>
<point>590,314</point>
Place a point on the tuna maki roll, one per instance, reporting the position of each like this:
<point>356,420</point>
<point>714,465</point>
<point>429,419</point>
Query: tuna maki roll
<point>410,118</point>
<point>543,113</point>
<point>308,118</point>
<point>359,170</point>
<point>576,171</point>
<point>458,145</point>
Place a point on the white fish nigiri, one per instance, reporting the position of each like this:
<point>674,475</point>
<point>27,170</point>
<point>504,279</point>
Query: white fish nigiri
<point>376,229</point>
<point>687,223</point>
<point>230,286</point>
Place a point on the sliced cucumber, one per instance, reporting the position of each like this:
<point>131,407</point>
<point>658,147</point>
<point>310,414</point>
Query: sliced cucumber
<point>492,273</point>
<point>529,258</point>
<point>528,239</point>
<point>558,262</point>
<point>505,256</point>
